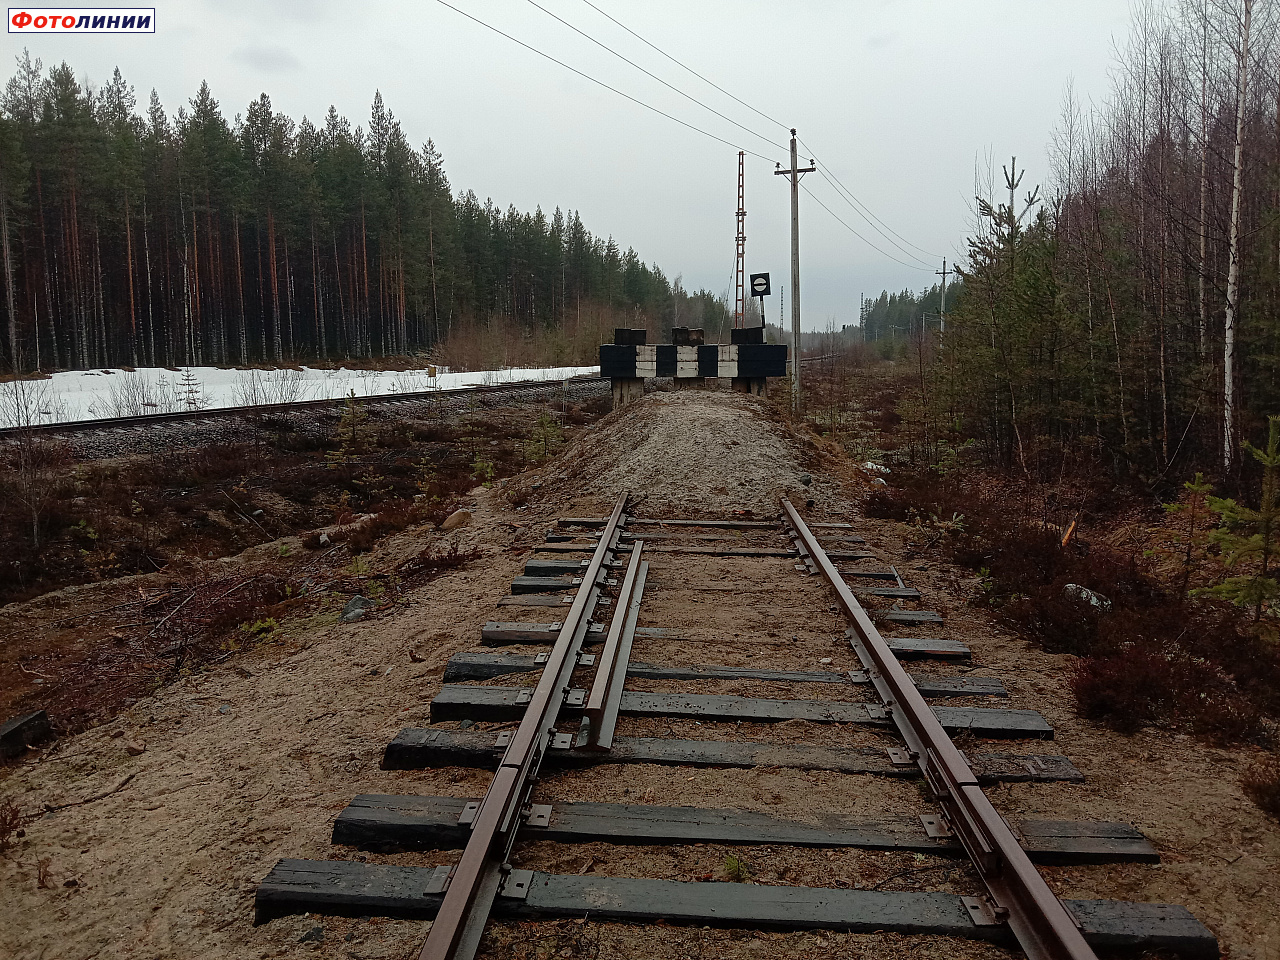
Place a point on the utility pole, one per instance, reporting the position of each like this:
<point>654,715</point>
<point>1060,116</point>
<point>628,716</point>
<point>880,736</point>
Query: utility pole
<point>942,312</point>
<point>794,174</point>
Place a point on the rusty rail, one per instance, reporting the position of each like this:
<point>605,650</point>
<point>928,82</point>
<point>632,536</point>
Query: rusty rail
<point>1018,894</point>
<point>601,713</point>
<point>475,882</point>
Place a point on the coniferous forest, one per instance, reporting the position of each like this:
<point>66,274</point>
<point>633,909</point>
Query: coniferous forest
<point>133,238</point>
<point>899,316</point>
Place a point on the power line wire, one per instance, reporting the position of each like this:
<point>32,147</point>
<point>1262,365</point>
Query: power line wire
<point>857,234</point>
<point>844,192</point>
<point>683,66</point>
<point>859,206</point>
<point>871,223</point>
<point>653,76</point>
<point>856,203</point>
<point>601,83</point>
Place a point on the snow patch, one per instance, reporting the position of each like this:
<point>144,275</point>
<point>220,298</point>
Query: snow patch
<point>77,395</point>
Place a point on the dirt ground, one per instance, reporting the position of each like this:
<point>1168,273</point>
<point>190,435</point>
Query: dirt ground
<point>157,855</point>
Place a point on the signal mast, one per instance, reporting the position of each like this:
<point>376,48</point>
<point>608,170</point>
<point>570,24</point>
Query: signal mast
<point>740,290</point>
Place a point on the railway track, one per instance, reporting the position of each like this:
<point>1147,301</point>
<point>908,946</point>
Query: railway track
<point>443,400</point>
<point>161,432</point>
<point>606,668</point>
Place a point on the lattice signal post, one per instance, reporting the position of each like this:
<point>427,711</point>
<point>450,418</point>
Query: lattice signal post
<point>740,265</point>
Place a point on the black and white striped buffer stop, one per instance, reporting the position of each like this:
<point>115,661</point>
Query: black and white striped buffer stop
<point>752,360</point>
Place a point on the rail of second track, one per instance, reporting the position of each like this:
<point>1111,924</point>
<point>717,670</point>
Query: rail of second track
<point>269,409</point>
<point>265,409</point>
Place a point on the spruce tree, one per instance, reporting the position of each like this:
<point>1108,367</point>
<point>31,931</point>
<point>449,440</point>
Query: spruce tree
<point>1249,536</point>
<point>1194,506</point>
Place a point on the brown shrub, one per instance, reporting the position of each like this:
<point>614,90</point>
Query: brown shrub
<point>888,503</point>
<point>196,624</point>
<point>437,510</point>
<point>1143,685</point>
<point>216,463</point>
<point>10,823</point>
<point>392,518</point>
<point>395,436</point>
<point>444,432</point>
<point>1155,657</point>
<point>1262,784</point>
<point>1125,692</point>
<point>312,541</point>
<point>434,560</point>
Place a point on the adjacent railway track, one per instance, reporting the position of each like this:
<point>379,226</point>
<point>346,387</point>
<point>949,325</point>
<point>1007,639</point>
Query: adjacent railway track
<point>534,389</point>
<point>606,579</point>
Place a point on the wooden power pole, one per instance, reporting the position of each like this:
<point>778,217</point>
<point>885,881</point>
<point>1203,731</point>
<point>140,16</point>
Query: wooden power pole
<point>794,174</point>
<point>942,311</point>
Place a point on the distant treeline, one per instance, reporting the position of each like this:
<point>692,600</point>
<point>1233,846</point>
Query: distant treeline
<point>901,316</point>
<point>150,240</point>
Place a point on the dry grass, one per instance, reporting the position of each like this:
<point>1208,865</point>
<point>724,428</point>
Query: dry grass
<point>134,515</point>
<point>500,342</point>
<point>172,515</point>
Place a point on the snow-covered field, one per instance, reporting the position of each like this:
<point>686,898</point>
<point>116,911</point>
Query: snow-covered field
<point>99,394</point>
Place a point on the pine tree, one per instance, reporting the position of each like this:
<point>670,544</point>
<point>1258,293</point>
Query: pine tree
<point>191,391</point>
<point>349,436</point>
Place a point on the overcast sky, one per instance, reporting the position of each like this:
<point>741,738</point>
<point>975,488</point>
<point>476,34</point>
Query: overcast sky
<point>896,99</point>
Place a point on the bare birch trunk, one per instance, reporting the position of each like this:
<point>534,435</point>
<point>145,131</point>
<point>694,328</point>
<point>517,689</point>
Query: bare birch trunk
<point>1204,186</point>
<point>318,304</point>
<point>435,303</point>
<point>276,347</point>
<point>48,292</point>
<point>364,252</point>
<point>146,252</point>
<point>342,301</point>
<point>197,318</point>
<point>1233,245</point>
<point>288,300</point>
